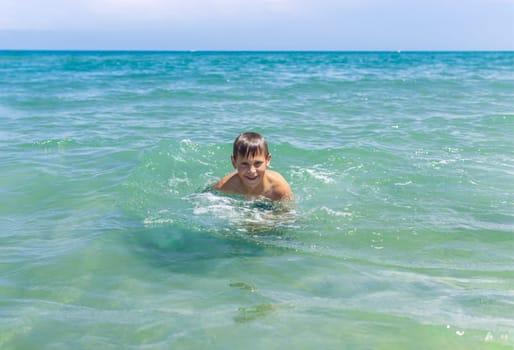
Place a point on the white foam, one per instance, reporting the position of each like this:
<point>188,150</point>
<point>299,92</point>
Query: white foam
<point>240,214</point>
<point>157,221</point>
<point>325,177</point>
<point>175,182</point>
<point>316,172</point>
<point>336,213</point>
<point>403,183</point>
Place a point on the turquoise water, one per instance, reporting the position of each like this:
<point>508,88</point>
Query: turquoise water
<point>401,237</point>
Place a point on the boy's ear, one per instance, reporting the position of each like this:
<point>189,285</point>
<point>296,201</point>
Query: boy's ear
<point>268,159</point>
<point>233,160</point>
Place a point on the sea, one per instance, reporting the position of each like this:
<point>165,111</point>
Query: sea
<point>400,236</point>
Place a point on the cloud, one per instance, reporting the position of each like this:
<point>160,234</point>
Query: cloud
<point>89,14</point>
<point>259,24</point>
<point>192,10</point>
<point>92,14</point>
<point>44,15</point>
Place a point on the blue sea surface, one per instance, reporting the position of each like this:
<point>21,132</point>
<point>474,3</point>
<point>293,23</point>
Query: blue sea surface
<point>401,235</point>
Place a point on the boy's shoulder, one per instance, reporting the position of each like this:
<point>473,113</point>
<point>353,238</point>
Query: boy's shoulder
<point>275,177</point>
<point>279,186</point>
<point>227,183</point>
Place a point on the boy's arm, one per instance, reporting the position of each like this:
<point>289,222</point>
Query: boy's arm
<point>284,193</point>
<point>282,190</point>
<point>224,185</point>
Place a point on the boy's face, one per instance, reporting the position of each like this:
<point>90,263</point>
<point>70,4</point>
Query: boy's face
<point>250,169</point>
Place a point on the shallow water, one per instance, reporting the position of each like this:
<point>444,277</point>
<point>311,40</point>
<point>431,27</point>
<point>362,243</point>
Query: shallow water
<point>401,234</point>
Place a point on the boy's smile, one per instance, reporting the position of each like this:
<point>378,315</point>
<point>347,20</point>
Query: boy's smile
<point>250,169</point>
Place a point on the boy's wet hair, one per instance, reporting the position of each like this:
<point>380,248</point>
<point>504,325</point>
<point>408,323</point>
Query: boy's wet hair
<point>249,144</point>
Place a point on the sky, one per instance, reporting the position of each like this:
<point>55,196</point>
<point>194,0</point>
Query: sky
<point>257,24</point>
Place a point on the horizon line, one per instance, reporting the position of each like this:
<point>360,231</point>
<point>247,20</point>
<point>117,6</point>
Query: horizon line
<point>262,50</point>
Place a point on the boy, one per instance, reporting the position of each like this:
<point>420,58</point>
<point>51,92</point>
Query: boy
<point>250,158</point>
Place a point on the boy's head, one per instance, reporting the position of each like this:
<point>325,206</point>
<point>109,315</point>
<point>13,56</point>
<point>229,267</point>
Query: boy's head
<point>250,144</point>
<point>250,158</point>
